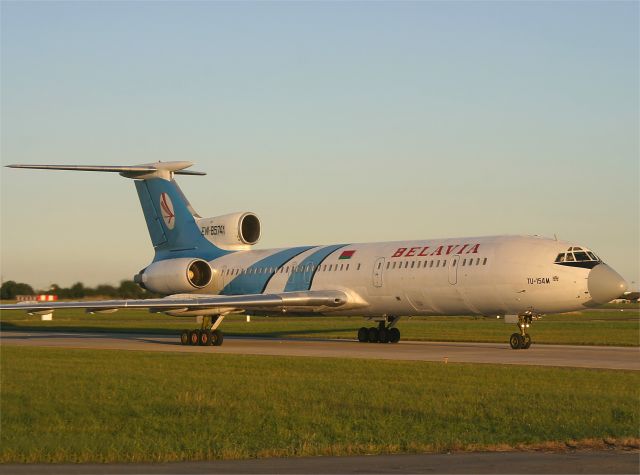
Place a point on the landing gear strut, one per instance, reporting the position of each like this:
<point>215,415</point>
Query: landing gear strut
<point>385,333</point>
<point>522,340</point>
<point>207,335</point>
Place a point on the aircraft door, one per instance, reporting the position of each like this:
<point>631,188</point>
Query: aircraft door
<point>308,273</point>
<point>378,271</point>
<point>296,276</point>
<point>223,278</point>
<point>453,270</point>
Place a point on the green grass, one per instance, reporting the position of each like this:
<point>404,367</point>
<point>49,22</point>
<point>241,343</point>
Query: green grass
<point>614,327</point>
<point>61,405</point>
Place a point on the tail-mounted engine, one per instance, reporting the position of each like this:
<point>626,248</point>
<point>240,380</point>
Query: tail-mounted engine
<point>234,232</point>
<point>175,275</point>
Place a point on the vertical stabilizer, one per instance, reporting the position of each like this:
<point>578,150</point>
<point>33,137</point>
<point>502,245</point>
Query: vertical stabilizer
<point>171,223</point>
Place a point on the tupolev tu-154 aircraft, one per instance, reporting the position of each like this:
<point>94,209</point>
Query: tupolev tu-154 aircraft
<point>207,267</point>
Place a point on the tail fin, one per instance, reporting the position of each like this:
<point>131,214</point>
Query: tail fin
<point>170,218</point>
<point>171,222</point>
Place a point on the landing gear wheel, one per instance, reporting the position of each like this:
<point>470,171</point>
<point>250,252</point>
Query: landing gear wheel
<point>516,341</point>
<point>194,337</point>
<point>373,335</point>
<point>394,335</point>
<point>217,337</point>
<point>205,338</point>
<point>363,335</point>
<point>184,337</point>
<point>526,342</point>
<point>383,335</point>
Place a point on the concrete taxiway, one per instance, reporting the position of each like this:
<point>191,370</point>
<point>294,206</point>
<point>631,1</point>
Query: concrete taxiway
<point>538,355</point>
<point>484,462</point>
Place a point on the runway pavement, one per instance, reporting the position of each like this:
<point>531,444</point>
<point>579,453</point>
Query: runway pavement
<point>538,355</point>
<point>482,462</point>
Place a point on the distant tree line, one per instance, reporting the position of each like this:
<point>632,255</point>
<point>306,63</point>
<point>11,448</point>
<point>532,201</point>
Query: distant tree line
<point>126,290</point>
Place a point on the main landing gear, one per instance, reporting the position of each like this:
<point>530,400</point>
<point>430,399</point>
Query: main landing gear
<point>383,334</point>
<point>522,340</point>
<point>207,335</point>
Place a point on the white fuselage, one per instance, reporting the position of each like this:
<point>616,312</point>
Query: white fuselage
<point>479,275</point>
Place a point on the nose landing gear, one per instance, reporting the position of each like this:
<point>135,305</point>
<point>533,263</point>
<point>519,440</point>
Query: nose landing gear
<point>522,340</point>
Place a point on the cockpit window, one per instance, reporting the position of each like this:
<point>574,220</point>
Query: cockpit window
<point>582,256</point>
<point>578,257</point>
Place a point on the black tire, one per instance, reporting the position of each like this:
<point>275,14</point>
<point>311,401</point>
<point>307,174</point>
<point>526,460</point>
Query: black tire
<point>217,337</point>
<point>394,335</point>
<point>383,335</point>
<point>363,335</point>
<point>373,335</point>
<point>184,337</point>
<point>526,342</point>
<point>205,338</point>
<point>194,337</point>
<point>515,341</point>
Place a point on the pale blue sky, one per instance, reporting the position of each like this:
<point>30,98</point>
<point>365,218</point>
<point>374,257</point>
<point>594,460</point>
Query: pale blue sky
<point>334,122</point>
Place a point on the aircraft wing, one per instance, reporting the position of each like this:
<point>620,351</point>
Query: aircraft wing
<point>177,304</point>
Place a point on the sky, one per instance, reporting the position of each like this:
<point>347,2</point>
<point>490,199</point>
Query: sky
<point>333,121</point>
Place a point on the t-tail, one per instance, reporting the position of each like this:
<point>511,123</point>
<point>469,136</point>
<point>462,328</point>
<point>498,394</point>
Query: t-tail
<point>172,223</point>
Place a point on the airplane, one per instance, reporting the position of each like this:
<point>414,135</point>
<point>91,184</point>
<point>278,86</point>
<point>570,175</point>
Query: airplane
<point>209,268</point>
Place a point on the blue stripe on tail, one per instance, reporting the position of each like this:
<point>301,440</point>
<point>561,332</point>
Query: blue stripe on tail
<point>172,227</point>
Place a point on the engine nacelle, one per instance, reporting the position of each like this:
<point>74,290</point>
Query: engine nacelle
<point>235,232</point>
<point>175,275</point>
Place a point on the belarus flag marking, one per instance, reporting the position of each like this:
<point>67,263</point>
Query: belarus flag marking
<point>346,254</point>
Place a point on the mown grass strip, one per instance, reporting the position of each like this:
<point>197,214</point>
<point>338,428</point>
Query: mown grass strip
<point>595,327</point>
<point>60,405</point>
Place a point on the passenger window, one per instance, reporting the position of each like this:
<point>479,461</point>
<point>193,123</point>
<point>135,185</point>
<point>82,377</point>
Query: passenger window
<point>379,264</point>
<point>484,262</point>
<point>444,263</point>
<point>347,268</point>
<point>570,257</point>
<point>388,264</point>
<point>394,265</point>
<point>464,262</point>
<point>330,266</point>
<point>431,264</point>
<point>358,267</point>
<point>413,263</point>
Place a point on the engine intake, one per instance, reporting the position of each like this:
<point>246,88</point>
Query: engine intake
<point>175,276</point>
<point>237,231</point>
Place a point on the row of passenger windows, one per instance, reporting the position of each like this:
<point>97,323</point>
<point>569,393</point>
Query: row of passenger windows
<point>433,263</point>
<point>288,269</point>
<point>417,264</point>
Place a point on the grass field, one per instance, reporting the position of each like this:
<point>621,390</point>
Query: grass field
<point>61,405</point>
<point>615,326</point>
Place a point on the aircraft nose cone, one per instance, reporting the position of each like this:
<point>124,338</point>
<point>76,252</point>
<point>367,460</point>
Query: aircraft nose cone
<point>605,284</point>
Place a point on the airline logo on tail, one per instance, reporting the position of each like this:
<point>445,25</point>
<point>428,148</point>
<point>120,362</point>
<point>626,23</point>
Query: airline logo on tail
<point>167,210</point>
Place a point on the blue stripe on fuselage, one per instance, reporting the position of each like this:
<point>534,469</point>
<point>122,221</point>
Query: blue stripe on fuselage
<point>252,282</point>
<point>302,276</point>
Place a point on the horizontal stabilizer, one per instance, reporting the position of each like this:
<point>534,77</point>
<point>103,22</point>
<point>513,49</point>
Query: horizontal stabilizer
<point>144,171</point>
